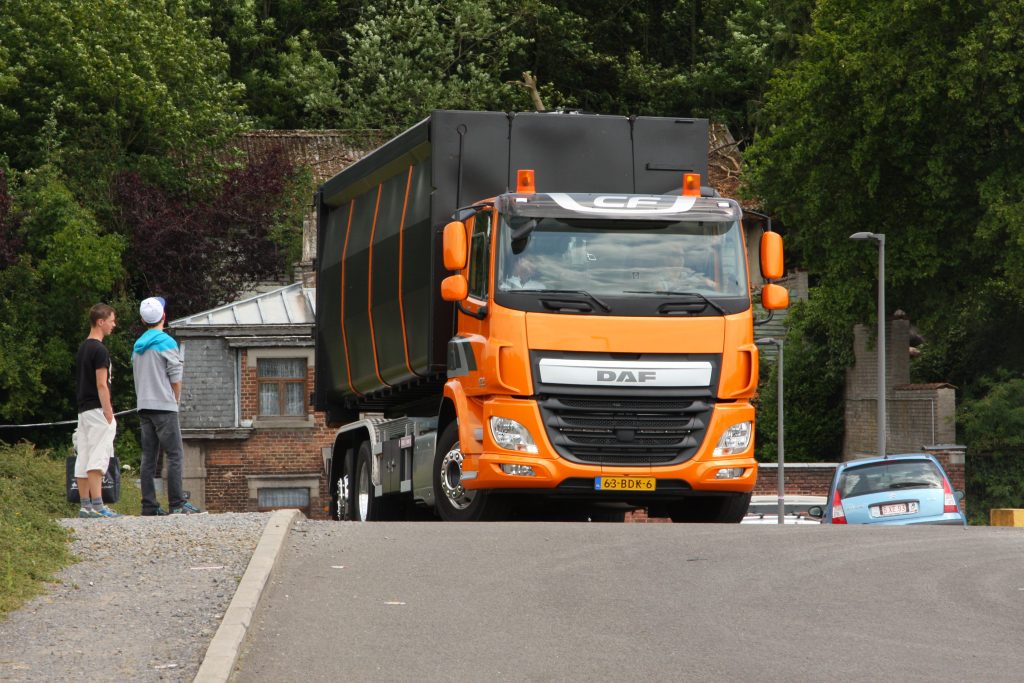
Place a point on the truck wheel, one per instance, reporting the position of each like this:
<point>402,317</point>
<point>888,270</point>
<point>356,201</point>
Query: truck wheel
<point>454,503</point>
<point>366,508</point>
<point>728,508</point>
<point>341,488</point>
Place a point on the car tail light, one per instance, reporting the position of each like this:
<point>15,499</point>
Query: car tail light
<point>838,516</point>
<point>948,500</point>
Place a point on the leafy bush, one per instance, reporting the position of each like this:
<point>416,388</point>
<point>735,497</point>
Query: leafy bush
<point>993,431</point>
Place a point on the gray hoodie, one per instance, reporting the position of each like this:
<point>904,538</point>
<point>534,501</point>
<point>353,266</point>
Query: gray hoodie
<point>156,364</point>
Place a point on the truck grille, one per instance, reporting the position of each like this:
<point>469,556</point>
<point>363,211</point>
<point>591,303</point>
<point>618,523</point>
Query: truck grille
<point>617,431</point>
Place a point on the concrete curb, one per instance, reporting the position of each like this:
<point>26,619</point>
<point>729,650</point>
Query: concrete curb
<point>222,655</point>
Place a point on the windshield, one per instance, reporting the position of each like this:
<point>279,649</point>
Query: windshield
<point>889,476</point>
<point>622,257</point>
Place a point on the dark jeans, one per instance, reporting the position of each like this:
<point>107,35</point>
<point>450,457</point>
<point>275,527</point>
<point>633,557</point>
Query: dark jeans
<point>161,429</point>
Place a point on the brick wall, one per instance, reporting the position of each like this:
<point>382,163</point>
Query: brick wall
<point>802,479</point>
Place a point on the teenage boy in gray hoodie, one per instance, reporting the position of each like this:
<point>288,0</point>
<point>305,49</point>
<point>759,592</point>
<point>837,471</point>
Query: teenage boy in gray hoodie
<point>157,366</point>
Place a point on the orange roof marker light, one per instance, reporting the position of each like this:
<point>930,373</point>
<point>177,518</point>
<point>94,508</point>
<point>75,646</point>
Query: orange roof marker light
<point>525,181</point>
<point>691,184</point>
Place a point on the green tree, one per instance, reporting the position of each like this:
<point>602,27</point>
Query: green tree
<point>285,54</point>
<point>905,118</point>
<point>65,265</point>
<point>407,58</point>
<point>815,372</point>
<point>668,58</point>
<point>112,85</point>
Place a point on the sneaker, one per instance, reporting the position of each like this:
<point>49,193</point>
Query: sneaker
<point>106,512</point>
<point>187,508</point>
<point>88,514</point>
<point>159,512</point>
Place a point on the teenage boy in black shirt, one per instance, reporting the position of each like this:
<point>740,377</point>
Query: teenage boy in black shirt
<point>94,437</point>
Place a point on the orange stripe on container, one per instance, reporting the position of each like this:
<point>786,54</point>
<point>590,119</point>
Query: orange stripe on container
<point>401,270</point>
<point>369,288</point>
<point>344,337</point>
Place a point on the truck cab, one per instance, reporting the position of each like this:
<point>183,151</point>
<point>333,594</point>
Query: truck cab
<point>604,351</point>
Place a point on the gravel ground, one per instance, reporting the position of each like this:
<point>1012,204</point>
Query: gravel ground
<point>143,603</point>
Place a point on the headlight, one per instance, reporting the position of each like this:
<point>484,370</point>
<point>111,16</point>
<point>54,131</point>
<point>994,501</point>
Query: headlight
<point>511,435</point>
<point>735,440</point>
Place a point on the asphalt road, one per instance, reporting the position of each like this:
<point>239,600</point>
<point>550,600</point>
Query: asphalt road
<point>645,602</point>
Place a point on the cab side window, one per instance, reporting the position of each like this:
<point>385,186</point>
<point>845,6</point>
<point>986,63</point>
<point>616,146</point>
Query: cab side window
<point>478,255</point>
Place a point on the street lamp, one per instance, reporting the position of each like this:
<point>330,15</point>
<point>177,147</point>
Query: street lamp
<point>880,239</point>
<point>781,442</point>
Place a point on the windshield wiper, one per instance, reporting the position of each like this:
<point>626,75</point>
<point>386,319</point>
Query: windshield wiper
<point>580,292</point>
<point>666,292</point>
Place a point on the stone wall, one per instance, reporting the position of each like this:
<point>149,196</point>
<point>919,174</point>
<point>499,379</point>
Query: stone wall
<point>208,385</point>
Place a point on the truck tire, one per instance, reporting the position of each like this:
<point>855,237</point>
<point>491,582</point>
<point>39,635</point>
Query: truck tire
<point>366,508</point>
<point>342,489</point>
<point>454,503</point>
<point>728,508</point>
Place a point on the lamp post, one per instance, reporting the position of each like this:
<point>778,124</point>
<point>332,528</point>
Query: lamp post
<point>880,239</point>
<point>781,441</point>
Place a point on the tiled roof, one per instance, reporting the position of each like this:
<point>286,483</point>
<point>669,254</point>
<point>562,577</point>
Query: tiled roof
<point>291,305</point>
<point>324,152</point>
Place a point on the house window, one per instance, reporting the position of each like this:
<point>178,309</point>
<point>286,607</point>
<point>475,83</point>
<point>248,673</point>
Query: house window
<point>273,498</point>
<point>282,386</point>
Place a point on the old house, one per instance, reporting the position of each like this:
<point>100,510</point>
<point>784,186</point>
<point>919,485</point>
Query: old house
<point>252,439</point>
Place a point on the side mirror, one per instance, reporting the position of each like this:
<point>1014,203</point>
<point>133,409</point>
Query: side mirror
<point>774,297</point>
<point>772,267</point>
<point>455,288</point>
<point>454,246</point>
<point>959,495</point>
<point>816,512</point>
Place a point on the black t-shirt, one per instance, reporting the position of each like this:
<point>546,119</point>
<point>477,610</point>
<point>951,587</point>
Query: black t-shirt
<point>92,355</point>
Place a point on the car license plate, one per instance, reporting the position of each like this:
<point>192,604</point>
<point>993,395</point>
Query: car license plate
<point>625,483</point>
<point>898,509</point>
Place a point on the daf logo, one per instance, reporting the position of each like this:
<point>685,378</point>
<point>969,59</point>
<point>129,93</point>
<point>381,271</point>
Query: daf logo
<point>626,376</point>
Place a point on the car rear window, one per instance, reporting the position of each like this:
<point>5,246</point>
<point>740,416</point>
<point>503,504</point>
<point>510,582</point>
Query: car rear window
<point>888,476</point>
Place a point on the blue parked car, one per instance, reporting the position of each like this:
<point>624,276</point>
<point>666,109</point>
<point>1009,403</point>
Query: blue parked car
<point>910,488</point>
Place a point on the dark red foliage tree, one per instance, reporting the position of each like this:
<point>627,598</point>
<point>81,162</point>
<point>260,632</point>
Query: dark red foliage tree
<point>200,254</point>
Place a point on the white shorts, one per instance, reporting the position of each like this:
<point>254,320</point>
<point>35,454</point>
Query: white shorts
<point>94,442</point>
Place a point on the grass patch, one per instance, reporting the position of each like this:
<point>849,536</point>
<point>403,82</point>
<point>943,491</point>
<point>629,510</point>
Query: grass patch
<point>33,546</point>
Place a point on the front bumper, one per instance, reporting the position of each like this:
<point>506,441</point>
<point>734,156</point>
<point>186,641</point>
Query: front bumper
<point>482,471</point>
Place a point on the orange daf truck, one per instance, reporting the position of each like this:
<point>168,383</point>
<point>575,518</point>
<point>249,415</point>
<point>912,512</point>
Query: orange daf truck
<point>513,308</point>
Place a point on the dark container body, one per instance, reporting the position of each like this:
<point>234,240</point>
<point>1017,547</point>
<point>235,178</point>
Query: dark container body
<point>382,328</point>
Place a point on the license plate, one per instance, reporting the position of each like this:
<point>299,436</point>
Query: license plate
<point>625,483</point>
<point>898,509</point>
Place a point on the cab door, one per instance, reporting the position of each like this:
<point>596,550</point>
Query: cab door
<point>473,321</point>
